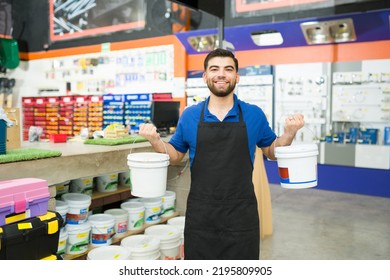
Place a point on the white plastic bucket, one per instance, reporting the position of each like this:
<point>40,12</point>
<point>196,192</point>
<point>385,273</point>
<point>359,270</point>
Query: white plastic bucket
<point>62,188</point>
<point>168,204</point>
<point>78,238</point>
<point>170,240</point>
<point>62,208</point>
<point>179,222</point>
<point>121,220</point>
<point>82,185</point>
<point>102,229</point>
<point>142,247</point>
<point>61,249</point>
<point>107,183</point>
<point>148,174</point>
<point>153,207</point>
<point>78,207</point>
<point>112,252</point>
<point>297,165</point>
<point>124,179</point>
<point>136,214</point>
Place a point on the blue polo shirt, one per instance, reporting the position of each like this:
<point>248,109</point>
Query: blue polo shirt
<point>258,129</point>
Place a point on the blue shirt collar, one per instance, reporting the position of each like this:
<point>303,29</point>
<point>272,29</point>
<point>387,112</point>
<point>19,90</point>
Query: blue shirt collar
<point>232,114</point>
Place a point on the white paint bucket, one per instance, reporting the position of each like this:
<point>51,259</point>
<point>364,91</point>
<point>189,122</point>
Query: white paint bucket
<point>121,220</point>
<point>82,185</point>
<point>142,247</point>
<point>153,207</point>
<point>148,174</point>
<point>78,238</point>
<point>62,188</point>
<point>102,229</point>
<point>179,222</point>
<point>297,165</point>
<point>170,240</point>
<point>78,207</point>
<point>107,183</point>
<point>112,252</point>
<point>168,204</point>
<point>61,249</point>
<point>62,208</point>
<point>124,179</point>
<point>136,214</point>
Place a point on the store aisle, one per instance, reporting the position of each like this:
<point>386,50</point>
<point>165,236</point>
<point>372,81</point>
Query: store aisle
<point>313,224</point>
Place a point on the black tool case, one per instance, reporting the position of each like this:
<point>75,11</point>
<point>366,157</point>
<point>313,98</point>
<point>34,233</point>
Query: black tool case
<point>31,239</point>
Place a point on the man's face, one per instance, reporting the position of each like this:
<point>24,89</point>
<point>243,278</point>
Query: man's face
<point>221,76</point>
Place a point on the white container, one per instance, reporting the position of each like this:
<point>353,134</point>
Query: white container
<point>102,229</point>
<point>138,199</point>
<point>78,207</point>
<point>153,206</point>
<point>121,219</point>
<point>179,222</point>
<point>170,240</point>
<point>136,214</point>
<point>297,165</point>
<point>112,252</point>
<point>148,174</point>
<point>168,204</point>
<point>62,188</point>
<point>62,208</point>
<point>142,247</point>
<point>82,185</point>
<point>78,238</point>
<point>124,179</point>
<point>107,183</point>
<point>61,249</point>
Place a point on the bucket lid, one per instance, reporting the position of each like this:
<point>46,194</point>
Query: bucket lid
<point>151,201</point>
<point>101,219</point>
<point>141,243</point>
<point>78,227</point>
<point>177,221</point>
<point>78,198</point>
<point>111,252</point>
<point>169,194</point>
<point>304,148</point>
<point>116,212</point>
<point>132,205</point>
<point>163,232</point>
<point>61,205</point>
<point>147,157</point>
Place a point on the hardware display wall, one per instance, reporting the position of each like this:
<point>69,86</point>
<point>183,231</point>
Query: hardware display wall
<point>303,88</point>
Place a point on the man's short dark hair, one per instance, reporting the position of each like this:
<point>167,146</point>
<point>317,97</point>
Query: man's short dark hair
<point>219,53</point>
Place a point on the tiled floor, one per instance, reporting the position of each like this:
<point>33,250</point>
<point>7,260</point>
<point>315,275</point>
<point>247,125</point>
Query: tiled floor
<point>313,224</point>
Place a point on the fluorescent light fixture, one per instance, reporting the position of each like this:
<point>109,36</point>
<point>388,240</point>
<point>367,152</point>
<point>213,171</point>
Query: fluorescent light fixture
<point>267,38</point>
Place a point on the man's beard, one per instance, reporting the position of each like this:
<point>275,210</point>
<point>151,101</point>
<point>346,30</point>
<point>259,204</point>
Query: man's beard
<point>220,92</point>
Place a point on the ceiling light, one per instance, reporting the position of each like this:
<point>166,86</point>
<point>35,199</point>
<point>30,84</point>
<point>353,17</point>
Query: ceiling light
<point>267,38</point>
<point>333,31</point>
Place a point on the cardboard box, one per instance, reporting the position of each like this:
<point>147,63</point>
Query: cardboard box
<point>13,133</point>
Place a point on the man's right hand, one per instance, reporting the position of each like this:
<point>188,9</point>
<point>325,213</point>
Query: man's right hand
<point>149,131</point>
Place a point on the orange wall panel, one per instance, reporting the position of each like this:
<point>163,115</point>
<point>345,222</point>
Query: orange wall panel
<point>307,54</point>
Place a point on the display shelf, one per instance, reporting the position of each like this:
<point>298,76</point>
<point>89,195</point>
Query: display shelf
<point>103,198</point>
<point>94,160</point>
<point>117,240</point>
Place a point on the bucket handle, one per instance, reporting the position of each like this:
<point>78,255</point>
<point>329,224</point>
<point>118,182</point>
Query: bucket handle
<point>165,147</point>
<point>316,139</point>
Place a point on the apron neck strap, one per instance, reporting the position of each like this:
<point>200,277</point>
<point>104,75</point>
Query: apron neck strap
<point>204,106</point>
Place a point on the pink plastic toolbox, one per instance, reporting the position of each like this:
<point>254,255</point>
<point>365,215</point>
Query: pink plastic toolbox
<point>22,199</point>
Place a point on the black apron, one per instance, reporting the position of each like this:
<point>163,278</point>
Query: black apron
<point>222,221</point>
